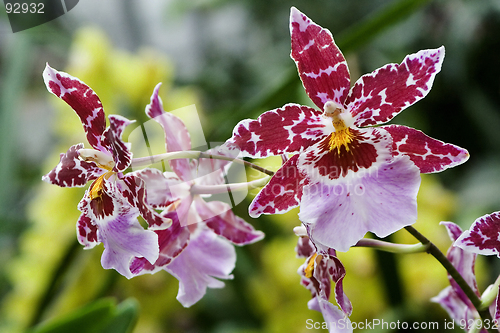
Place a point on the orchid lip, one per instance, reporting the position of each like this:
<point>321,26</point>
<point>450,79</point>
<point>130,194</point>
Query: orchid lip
<point>103,160</point>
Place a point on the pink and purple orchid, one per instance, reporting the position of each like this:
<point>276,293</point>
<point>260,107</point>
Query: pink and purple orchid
<point>348,176</point>
<point>113,201</point>
<point>317,274</point>
<point>452,298</point>
<point>483,236</point>
<point>198,247</point>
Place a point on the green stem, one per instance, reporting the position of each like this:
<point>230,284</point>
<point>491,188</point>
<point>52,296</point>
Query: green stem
<point>143,161</point>
<point>392,247</point>
<point>436,253</point>
<point>224,188</point>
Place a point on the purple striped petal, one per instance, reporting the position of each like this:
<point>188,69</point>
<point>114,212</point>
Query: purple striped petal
<point>322,67</point>
<point>482,237</point>
<point>72,171</point>
<point>82,99</point>
<point>114,143</point>
<point>282,193</point>
<point>176,134</point>
<point>456,309</point>
<point>377,97</point>
<point>219,217</point>
<point>158,193</point>
<point>206,259</point>
<point>339,215</point>
<point>289,129</point>
<point>428,154</point>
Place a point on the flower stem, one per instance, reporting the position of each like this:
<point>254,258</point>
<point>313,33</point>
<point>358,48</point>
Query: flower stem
<point>392,247</point>
<point>224,188</point>
<point>144,161</point>
<point>436,253</point>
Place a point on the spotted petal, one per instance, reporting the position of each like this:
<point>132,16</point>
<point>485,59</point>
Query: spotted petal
<point>377,97</point>
<point>176,134</point>
<point>86,232</point>
<point>340,214</point>
<point>114,143</point>
<point>72,171</point>
<point>322,67</point>
<point>282,193</point>
<point>82,99</point>
<point>172,241</point>
<point>482,237</point>
<point>288,129</point>
<point>219,217</point>
<point>197,268</point>
<point>134,190</point>
<point>158,193</point>
<point>428,154</point>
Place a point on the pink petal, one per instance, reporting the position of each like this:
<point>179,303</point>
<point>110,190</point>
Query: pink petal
<point>158,193</point>
<point>176,134</point>
<point>463,261</point>
<point>428,154</point>
<point>172,241</point>
<point>369,150</point>
<point>72,171</point>
<point>211,171</point>
<point>86,232</point>
<point>82,99</point>
<point>282,193</point>
<point>114,143</point>
<point>219,217</point>
<point>454,306</point>
<point>134,190</point>
<point>337,321</point>
<point>339,215</point>
<point>377,97</point>
<point>482,237</point>
<point>322,67</point>
<point>206,258</point>
<point>304,248</point>
<point>285,130</point>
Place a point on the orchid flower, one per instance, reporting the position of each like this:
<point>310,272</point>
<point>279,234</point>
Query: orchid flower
<point>347,178</point>
<point>317,273</point>
<point>191,249</point>
<point>452,298</point>
<point>113,202</point>
<point>482,237</point>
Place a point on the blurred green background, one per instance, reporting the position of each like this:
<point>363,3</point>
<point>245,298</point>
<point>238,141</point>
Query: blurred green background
<point>231,59</point>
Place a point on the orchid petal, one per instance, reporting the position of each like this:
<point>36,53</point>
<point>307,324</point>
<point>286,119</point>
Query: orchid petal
<point>172,241</point>
<point>289,129</point>
<point>72,171</point>
<point>86,232</point>
<point>219,217</point>
<point>377,97</point>
<point>339,215</point>
<point>114,143</point>
<point>176,134</point>
<point>82,99</point>
<point>456,309</point>
<point>482,236</point>
<point>206,258</point>
<point>158,193</point>
<point>369,149</point>
<point>321,65</point>
<point>282,193</point>
<point>134,190</point>
<point>428,154</point>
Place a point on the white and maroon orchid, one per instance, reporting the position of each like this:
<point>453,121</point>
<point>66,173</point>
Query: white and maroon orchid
<point>191,249</point>
<point>347,178</point>
<point>113,202</point>
<point>317,274</point>
<point>483,236</point>
<point>452,298</point>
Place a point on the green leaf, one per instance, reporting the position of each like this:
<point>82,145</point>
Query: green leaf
<point>101,316</point>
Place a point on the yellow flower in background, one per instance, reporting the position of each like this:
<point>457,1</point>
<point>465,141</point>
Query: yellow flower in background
<point>124,82</point>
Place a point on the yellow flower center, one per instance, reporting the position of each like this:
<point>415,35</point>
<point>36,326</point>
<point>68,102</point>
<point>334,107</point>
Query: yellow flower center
<point>98,185</point>
<point>308,271</point>
<point>342,135</point>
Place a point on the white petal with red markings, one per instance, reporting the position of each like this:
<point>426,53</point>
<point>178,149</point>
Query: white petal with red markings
<point>377,97</point>
<point>428,154</point>
<point>112,140</point>
<point>289,129</point>
<point>82,99</point>
<point>483,236</point>
<point>86,232</point>
<point>322,67</point>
